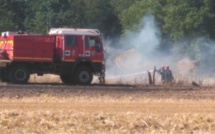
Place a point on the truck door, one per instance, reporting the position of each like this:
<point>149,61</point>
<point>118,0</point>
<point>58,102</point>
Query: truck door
<point>93,48</point>
<point>73,47</point>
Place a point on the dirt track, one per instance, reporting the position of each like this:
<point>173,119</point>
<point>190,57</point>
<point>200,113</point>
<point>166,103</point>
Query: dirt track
<point>113,91</point>
<point>107,98</point>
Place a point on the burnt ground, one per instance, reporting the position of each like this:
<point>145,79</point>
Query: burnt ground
<point>137,91</point>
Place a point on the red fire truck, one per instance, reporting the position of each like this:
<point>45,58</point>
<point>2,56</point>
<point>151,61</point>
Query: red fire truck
<point>73,54</point>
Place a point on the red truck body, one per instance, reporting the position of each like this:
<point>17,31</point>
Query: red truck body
<point>74,54</point>
<point>37,48</point>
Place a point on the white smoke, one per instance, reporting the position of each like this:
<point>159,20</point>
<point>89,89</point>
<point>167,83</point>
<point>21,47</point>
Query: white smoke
<point>136,50</point>
<point>146,39</point>
<point>139,52</point>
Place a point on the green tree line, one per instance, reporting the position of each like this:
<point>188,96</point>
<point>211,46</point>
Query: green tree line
<point>176,18</point>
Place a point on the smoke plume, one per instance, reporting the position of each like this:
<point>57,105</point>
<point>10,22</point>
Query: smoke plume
<point>139,52</point>
<point>138,49</point>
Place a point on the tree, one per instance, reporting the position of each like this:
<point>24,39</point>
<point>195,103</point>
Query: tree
<point>176,19</point>
<point>184,18</point>
<point>121,5</point>
<point>6,23</point>
<point>41,15</point>
<point>209,19</point>
<point>130,18</point>
<point>12,15</point>
<point>99,14</point>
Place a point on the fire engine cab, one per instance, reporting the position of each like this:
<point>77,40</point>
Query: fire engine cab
<point>74,54</point>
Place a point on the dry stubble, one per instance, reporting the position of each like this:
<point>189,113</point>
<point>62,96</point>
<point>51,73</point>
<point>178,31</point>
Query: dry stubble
<point>106,109</point>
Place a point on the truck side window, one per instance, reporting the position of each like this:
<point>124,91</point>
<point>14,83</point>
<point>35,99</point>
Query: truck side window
<point>71,40</point>
<point>92,42</point>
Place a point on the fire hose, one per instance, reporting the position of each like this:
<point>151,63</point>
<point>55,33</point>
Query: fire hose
<point>128,75</point>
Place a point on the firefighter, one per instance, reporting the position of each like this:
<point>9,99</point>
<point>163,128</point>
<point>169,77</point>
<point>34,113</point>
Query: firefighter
<point>162,72</point>
<point>168,75</point>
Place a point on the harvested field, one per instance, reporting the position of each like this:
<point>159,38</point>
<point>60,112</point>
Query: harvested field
<point>57,108</point>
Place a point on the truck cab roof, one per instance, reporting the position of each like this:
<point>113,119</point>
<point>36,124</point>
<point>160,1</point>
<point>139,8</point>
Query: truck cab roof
<point>73,31</point>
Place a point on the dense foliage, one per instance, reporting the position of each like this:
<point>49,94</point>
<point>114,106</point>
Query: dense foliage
<point>176,19</point>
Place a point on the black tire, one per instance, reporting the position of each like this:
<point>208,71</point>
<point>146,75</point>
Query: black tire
<point>83,75</point>
<point>67,79</point>
<point>19,75</point>
<point>4,77</point>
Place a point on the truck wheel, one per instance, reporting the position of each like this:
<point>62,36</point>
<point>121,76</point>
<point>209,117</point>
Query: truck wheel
<point>4,77</point>
<point>83,75</point>
<point>19,75</point>
<point>66,79</point>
